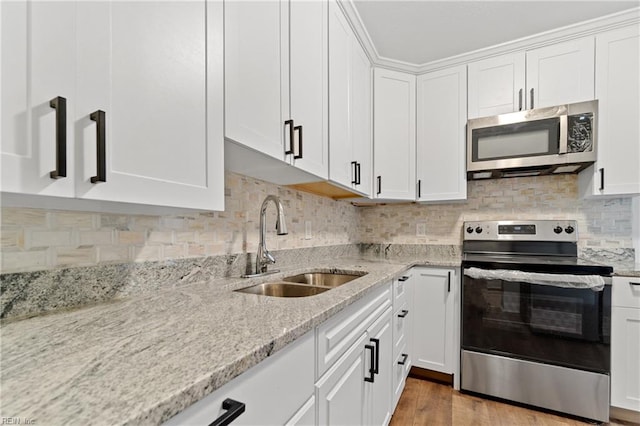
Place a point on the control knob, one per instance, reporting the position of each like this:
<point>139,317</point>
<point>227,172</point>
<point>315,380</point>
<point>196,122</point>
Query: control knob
<point>469,230</point>
<point>558,229</point>
<point>479,230</point>
<point>569,229</point>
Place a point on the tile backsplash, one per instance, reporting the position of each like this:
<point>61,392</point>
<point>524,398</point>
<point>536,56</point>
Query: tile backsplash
<point>602,223</point>
<point>34,239</point>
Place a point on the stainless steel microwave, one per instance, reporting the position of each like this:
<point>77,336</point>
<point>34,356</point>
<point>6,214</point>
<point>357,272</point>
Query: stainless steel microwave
<point>559,139</point>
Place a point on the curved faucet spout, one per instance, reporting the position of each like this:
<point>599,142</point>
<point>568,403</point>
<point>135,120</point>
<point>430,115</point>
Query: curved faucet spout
<point>264,258</point>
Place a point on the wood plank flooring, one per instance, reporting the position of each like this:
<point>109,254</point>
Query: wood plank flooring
<point>429,403</point>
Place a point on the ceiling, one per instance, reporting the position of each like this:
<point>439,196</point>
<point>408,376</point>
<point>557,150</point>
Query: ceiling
<point>422,31</point>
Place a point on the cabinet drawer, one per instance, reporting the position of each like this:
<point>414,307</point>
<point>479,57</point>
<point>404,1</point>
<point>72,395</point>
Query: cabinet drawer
<point>255,387</point>
<point>400,325</point>
<point>401,366</point>
<point>336,335</point>
<point>626,292</point>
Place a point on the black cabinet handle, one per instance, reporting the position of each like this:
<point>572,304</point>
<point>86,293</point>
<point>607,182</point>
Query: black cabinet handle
<point>419,188</point>
<point>602,179</point>
<point>379,185</point>
<point>403,278</point>
<point>291,126</point>
<point>354,172</point>
<point>234,409</point>
<point>404,359</point>
<point>377,343</point>
<point>60,105</point>
<point>297,155</point>
<point>632,283</point>
<point>449,282</point>
<point>100,118</point>
<point>520,100</point>
<point>371,378</point>
<point>531,95</point>
<point>358,182</point>
<point>403,313</point>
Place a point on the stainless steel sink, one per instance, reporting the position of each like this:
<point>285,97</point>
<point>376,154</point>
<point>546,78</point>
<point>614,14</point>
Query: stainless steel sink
<point>322,279</point>
<point>301,285</point>
<point>283,289</point>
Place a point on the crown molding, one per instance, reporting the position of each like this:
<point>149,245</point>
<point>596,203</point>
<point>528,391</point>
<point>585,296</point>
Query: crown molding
<point>566,33</point>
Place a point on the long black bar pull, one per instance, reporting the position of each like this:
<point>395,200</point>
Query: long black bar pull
<point>297,154</point>
<point>449,282</point>
<point>358,182</point>
<point>234,410</point>
<point>601,179</point>
<point>291,126</point>
<point>101,158</point>
<point>60,105</point>
<point>372,377</point>
<point>354,172</point>
<point>376,342</point>
<point>379,185</point>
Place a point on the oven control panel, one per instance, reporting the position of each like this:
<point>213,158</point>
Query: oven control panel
<point>525,230</point>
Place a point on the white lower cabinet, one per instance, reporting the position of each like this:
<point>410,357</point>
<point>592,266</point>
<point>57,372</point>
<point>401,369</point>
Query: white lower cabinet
<point>356,388</point>
<point>279,390</point>
<point>401,331</point>
<point>625,344</point>
<point>435,339</point>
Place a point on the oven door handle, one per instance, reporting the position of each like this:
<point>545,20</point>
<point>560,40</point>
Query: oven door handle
<point>593,282</point>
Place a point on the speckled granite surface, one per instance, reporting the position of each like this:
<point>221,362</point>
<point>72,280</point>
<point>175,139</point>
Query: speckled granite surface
<point>143,359</point>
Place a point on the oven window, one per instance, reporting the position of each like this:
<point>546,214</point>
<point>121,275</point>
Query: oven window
<point>561,326</point>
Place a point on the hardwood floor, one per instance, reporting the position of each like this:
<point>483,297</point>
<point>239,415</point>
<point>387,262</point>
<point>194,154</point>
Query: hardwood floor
<point>429,403</point>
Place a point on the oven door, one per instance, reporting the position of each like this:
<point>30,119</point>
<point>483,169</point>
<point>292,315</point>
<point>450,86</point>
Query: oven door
<point>538,322</point>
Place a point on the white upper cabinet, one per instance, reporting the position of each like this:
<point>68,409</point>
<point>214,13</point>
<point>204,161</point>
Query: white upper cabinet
<point>618,92</point>
<point>496,85</point>
<point>144,88</point>
<point>394,130</point>
<point>560,73</point>
<point>38,66</point>
<point>349,107</point>
<point>442,106</point>
<point>151,68</point>
<point>552,75</point>
<point>276,81</point>
<point>309,85</point>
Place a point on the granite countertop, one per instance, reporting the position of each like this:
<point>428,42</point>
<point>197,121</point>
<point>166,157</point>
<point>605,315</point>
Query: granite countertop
<point>143,359</point>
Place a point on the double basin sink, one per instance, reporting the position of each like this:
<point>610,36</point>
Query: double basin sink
<point>302,285</point>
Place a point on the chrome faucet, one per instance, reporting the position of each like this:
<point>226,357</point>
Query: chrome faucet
<point>264,258</point>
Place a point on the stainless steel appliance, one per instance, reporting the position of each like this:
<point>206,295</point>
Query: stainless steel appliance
<point>535,319</point>
<point>559,139</point>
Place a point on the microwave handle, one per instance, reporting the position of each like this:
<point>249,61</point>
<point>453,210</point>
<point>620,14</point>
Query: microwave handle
<point>563,142</point>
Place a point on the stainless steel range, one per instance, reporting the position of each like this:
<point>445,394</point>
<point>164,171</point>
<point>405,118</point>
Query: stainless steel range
<point>535,319</point>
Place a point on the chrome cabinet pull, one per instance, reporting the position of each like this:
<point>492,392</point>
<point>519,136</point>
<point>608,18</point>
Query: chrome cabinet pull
<point>234,410</point>
<point>101,159</point>
<point>291,126</point>
<point>60,105</point>
<point>297,154</point>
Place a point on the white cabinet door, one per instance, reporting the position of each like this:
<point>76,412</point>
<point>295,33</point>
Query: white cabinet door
<point>341,144</point>
<point>441,138</point>
<point>380,390</point>
<point>618,92</point>
<point>496,85</point>
<point>341,392</point>
<point>38,65</point>
<point>256,42</point>
<point>625,358</point>
<point>309,81</point>
<point>155,69</point>
<point>625,343</point>
<point>360,106</point>
<point>394,133</point>
<point>433,319</point>
<point>560,73</point>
